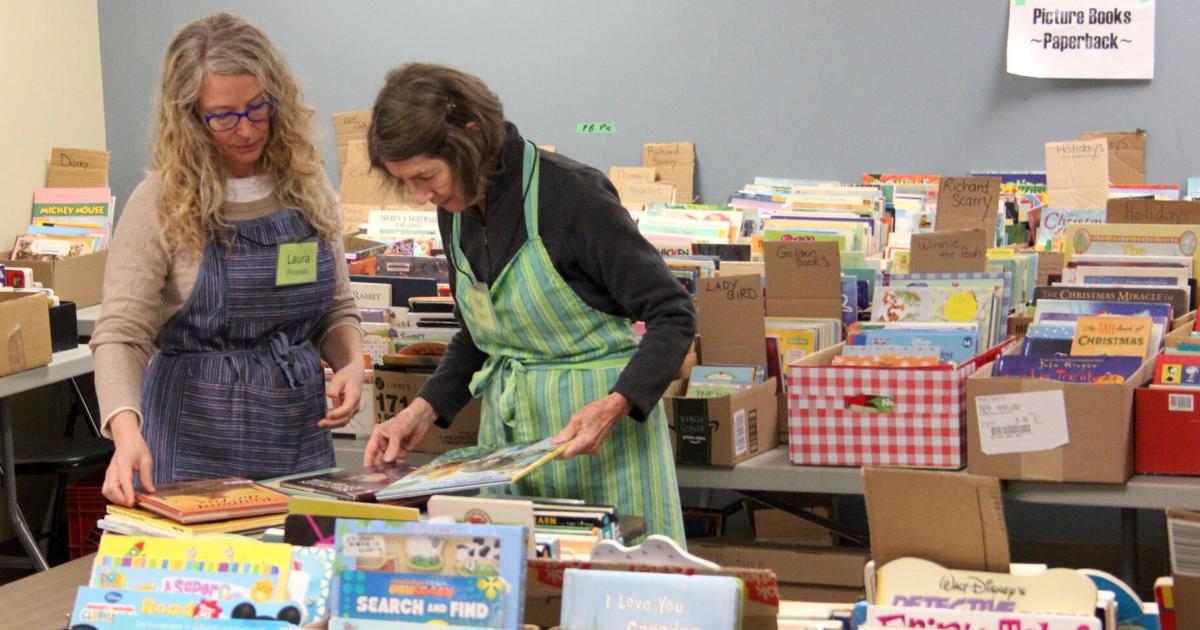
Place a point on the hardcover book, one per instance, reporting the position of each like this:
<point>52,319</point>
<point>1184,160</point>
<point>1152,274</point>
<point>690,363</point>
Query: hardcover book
<point>465,576</point>
<point>1177,370</point>
<point>1068,369</point>
<point>101,608</point>
<point>213,500</point>
<point>1177,297</point>
<point>354,484</point>
<point>620,599</point>
<point>1112,335</point>
<point>474,467</point>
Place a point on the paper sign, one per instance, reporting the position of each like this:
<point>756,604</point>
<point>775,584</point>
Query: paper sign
<point>1022,423</point>
<point>636,195</point>
<point>948,252</point>
<point>595,127</point>
<point>625,175</point>
<point>731,320</point>
<point>348,126</point>
<point>362,185</point>
<point>1081,39</point>
<point>676,164</point>
<point>77,168</point>
<point>1153,211</point>
<point>1077,174</point>
<point>297,263</point>
<point>804,279</point>
<point>1126,154</point>
<point>967,203</point>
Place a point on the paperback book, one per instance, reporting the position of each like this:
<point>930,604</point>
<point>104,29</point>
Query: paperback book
<point>355,484</point>
<point>213,500</point>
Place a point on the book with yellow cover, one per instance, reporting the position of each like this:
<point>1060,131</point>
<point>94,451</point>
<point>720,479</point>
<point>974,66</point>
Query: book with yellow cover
<point>351,509</point>
<point>213,500</point>
<point>157,525</point>
<point>1112,335</point>
<point>1124,239</point>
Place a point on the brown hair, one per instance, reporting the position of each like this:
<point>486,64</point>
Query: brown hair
<point>424,109</point>
<point>183,151</point>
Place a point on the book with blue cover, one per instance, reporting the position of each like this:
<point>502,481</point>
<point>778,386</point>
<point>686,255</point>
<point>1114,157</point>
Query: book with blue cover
<point>956,343</point>
<point>1098,369</point>
<point>395,574</point>
<point>599,600</point>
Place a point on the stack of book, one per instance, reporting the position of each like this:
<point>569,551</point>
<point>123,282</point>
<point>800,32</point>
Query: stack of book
<point>66,222</point>
<point>191,508</point>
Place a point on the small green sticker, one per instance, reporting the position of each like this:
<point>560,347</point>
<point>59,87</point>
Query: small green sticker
<point>297,263</point>
<point>595,127</point>
<point>1020,3</point>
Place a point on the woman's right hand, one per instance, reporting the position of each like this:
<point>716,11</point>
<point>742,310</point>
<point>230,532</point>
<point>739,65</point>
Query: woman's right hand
<point>393,440</point>
<point>131,454</point>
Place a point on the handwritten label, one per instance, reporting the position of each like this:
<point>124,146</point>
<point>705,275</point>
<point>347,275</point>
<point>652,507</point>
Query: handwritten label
<point>1077,174</point>
<point>966,203</point>
<point>1021,423</point>
<point>948,252</point>
<point>297,263</point>
<point>362,545</point>
<point>731,319</point>
<point>595,127</point>
<point>804,279</point>
<point>1153,211</point>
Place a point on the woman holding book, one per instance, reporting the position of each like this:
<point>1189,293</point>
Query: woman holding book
<point>225,285</point>
<point>549,272</point>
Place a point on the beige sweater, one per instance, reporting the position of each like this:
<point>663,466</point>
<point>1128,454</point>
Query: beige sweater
<point>144,286</point>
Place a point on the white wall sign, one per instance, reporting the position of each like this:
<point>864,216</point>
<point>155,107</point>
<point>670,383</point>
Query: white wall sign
<point>1081,39</point>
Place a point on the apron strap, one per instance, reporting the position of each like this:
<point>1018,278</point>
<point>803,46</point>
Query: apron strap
<point>531,170</point>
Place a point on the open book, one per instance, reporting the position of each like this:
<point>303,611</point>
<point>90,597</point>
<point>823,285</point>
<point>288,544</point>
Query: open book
<point>474,467</point>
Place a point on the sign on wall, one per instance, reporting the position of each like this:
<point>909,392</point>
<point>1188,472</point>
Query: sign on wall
<point>1081,39</point>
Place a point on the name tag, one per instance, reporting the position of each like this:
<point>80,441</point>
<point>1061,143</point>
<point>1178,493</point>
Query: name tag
<point>479,311</point>
<point>297,264</point>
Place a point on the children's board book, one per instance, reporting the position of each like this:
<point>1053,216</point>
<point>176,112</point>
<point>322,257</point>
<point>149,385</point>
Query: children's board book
<point>595,599</point>
<point>413,574</point>
<point>474,467</point>
<point>102,608</point>
<point>924,584</point>
<point>213,500</point>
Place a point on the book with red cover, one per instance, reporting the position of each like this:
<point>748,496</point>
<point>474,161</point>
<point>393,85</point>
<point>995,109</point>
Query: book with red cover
<point>1177,370</point>
<point>207,500</point>
<point>357,484</point>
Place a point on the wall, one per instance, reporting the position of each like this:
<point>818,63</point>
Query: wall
<point>53,97</point>
<point>794,89</point>
<point>50,61</point>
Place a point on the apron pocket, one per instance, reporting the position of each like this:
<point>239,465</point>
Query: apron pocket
<point>251,293</point>
<point>247,430</point>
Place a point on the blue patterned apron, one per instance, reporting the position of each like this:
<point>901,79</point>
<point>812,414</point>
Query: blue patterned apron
<point>237,387</point>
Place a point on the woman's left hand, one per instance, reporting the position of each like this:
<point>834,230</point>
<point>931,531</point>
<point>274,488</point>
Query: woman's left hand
<point>345,390</point>
<point>590,426</point>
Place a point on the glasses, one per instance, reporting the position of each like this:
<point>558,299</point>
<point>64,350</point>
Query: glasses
<point>257,112</point>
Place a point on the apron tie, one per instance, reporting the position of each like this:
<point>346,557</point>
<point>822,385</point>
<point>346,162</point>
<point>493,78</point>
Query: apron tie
<point>283,353</point>
<point>511,374</point>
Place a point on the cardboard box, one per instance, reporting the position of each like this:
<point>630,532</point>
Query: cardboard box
<point>1018,325</point>
<point>1181,331</point>
<point>24,331</point>
<point>908,511</point>
<point>793,564</point>
<point>824,594</point>
<point>771,525</point>
<point>544,582</point>
<point>1167,431</point>
<point>898,417</point>
<point>724,430</point>
<point>394,390</point>
<point>79,278</point>
<point>1099,427</point>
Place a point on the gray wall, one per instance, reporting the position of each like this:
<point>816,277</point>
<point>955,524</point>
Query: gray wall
<point>811,89</point>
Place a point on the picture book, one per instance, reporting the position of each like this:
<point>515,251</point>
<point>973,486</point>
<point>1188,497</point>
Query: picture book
<point>1177,370</point>
<point>100,608</point>
<point>351,509</point>
<point>214,580</point>
<point>207,552</point>
<point>1177,297</point>
<point>310,581</point>
<point>939,304</point>
<point>927,617</point>
<point>1120,239</point>
<point>850,300</point>
<point>622,599</point>
<point>435,267</point>
<point>1112,335</point>
<point>1068,369</point>
<point>93,204</point>
<point>924,584</point>
<point>711,381</point>
<point>474,467</point>
<point>460,575</point>
<point>153,525</point>
<point>354,484</point>
<point>213,500</point>
<point>956,343</point>
<point>1075,309</point>
<point>999,281</point>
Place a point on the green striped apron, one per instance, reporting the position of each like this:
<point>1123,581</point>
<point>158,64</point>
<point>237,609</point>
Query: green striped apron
<point>549,354</point>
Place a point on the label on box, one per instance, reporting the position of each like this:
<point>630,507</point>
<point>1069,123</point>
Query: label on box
<point>1181,402</point>
<point>1020,423</point>
<point>739,433</point>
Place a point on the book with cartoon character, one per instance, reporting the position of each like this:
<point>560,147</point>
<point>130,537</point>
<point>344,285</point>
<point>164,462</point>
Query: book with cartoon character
<point>392,574</point>
<point>474,467</point>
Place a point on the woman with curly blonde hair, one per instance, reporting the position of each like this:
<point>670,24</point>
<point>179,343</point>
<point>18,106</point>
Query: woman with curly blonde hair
<point>225,284</point>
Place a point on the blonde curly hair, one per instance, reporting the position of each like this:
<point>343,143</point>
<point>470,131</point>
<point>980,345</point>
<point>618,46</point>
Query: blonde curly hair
<point>183,151</point>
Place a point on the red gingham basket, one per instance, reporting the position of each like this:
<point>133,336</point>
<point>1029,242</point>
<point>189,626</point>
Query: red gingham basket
<point>926,427</point>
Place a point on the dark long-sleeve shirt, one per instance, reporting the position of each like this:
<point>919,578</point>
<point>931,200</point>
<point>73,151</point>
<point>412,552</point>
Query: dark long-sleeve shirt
<point>595,246</point>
